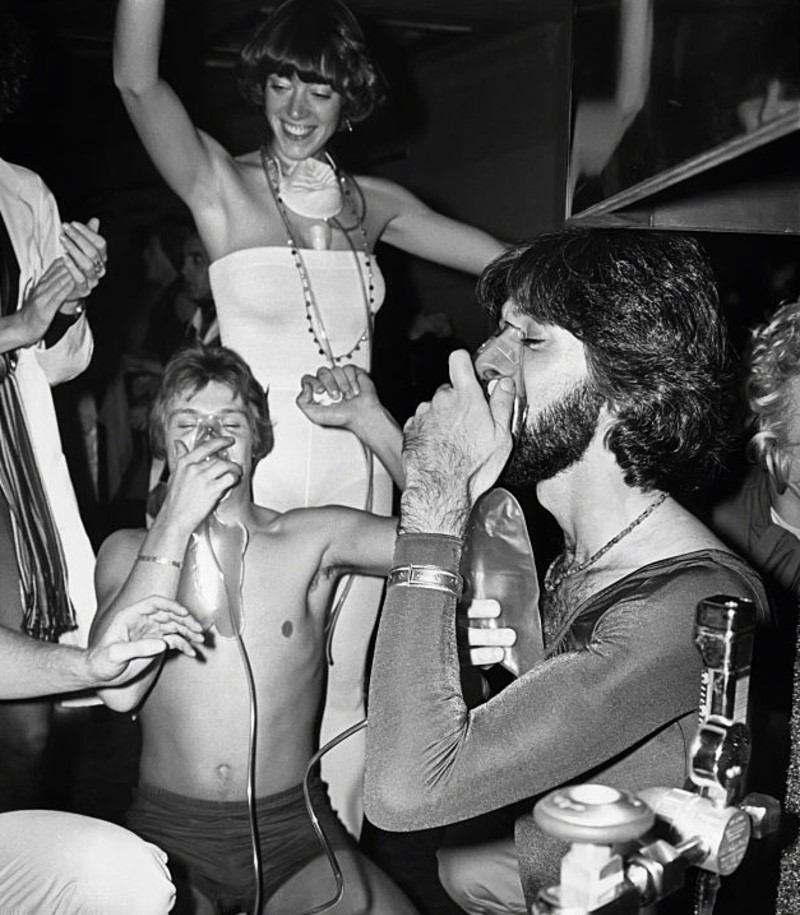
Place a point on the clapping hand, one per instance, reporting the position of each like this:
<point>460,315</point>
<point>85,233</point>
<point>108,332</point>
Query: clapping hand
<point>84,255</point>
<point>136,635</point>
<point>43,300</point>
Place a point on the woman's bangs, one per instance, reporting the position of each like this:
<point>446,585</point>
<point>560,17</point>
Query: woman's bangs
<point>311,61</point>
<point>305,72</point>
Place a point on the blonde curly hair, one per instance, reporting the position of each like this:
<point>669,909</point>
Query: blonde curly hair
<point>773,366</point>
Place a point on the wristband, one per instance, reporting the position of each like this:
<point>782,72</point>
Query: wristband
<point>161,560</point>
<point>430,577</point>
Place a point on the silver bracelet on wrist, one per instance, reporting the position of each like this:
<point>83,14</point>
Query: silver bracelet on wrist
<point>160,560</point>
<point>431,578</point>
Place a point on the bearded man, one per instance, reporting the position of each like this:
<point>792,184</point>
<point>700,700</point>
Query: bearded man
<point>615,340</point>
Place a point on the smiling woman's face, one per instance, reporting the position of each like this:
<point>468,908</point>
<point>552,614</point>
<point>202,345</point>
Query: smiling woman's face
<point>302,116</point>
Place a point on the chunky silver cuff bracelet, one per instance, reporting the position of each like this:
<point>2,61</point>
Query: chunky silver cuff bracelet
<point>431,577</point>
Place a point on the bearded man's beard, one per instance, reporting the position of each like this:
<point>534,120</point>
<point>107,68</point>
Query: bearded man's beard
<point>556,439</point>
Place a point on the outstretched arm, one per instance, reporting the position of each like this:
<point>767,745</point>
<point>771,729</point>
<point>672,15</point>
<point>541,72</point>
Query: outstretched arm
<point>85,255</point>
<point>345,397</point>
<point>414,227</point>
<point>180,152</point>
<point>140,632</point>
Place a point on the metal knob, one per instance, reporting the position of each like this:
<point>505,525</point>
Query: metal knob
<point>595,814</point>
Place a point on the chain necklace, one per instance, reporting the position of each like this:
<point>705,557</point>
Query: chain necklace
<point>553,579</point>
<point>316,325</point>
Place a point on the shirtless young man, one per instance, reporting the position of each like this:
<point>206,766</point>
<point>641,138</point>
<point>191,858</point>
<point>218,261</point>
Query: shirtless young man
<point>196,717</point>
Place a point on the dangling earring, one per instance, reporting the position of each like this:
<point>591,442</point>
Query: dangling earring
<point>347,126</point>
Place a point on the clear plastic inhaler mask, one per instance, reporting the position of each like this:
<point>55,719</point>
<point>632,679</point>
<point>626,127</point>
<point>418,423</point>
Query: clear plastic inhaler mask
<point>501,357</point>
<point>497,561</point>
<point>213,570</point>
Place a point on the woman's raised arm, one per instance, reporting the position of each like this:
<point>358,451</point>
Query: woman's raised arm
<point>181,153</point>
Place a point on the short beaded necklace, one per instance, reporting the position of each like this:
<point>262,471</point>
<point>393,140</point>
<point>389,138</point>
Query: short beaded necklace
<point>316,326</point>
<point>553,579</point>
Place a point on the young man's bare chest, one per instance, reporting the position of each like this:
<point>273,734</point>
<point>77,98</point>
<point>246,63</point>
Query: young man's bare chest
<point>201,706</point>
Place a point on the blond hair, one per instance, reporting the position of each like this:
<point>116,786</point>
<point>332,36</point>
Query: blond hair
<point>773,364</point>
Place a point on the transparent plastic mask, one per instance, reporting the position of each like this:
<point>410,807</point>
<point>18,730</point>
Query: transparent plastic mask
<point>501,357</point>
<point>213,571</point>
<point>207,428</point>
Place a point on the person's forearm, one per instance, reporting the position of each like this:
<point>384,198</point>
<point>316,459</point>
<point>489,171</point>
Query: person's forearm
<point>15,333</point>
<point>157,570</point>
<point>129,696</point>
<point>381,434</point>
<point>137,43</point>
<point>18,333</point>
<point>415,699</point>
<point>29,668</point>
<point>435,506</point>
<point>476,250</point>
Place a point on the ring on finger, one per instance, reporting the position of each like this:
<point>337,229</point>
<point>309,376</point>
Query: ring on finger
<point>99,266</point>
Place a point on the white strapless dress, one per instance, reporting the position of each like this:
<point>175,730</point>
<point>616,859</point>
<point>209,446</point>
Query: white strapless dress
<point>262,315</point>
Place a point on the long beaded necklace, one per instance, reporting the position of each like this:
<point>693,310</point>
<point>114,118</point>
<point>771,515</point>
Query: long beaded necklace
<point>553,578</point>
<point>316,325</point>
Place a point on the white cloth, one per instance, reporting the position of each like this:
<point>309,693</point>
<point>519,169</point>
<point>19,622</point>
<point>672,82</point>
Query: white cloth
<point>262,315</point>
<point>54,863</point>
<point>312,190</point>
<point>261,311</point>
<point>34,226</point>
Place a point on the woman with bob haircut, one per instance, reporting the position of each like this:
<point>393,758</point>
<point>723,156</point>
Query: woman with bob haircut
<point>293,274</point>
